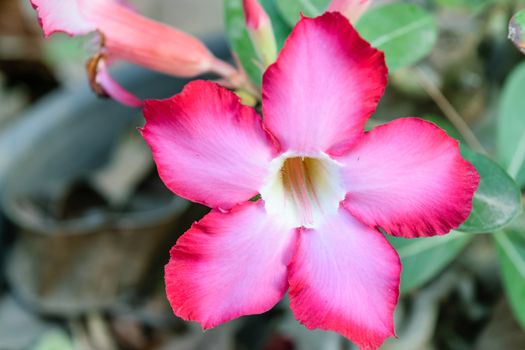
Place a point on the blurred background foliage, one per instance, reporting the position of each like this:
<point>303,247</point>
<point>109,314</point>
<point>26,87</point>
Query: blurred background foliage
<point>86,224</point>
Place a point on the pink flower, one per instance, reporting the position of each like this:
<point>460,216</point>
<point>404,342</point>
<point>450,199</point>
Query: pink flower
<point>126,35</point>
<point>351,9</point>
<point>325,187</point>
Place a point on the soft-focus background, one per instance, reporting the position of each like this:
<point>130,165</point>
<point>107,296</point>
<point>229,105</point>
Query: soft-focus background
<point>86,225</point>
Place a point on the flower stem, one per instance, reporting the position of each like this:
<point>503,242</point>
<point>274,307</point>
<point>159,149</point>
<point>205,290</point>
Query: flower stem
<point>449,111</point>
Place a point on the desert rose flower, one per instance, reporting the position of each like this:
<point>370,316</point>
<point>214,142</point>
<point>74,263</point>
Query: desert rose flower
<point>128,36</point>
<point>351,9</point>
<point>325,185</point>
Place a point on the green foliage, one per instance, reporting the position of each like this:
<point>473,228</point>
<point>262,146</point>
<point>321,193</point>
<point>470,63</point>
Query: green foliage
<point>424,258</point>
<point>472,5</point>
<point>54,340</point>
<point>511,251</point>
<point>240,39</point>
<point>405,32</point>
<point>511,125</point>
<point>290,9</point>
<point>497,200</point>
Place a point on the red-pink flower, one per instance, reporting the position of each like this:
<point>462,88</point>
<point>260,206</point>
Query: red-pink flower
<point>325,186</point>
<point>126,35</point>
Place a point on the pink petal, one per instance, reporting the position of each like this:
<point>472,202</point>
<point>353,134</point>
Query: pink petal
<point>344,277</point>
<point>208,147</point>
<point>134,38</point>
<point>113,89</point>
<point>408,178</point>
<point>62,16</point>
<point>351,9</point>
<point>229,265</point>
<point>326,82</point>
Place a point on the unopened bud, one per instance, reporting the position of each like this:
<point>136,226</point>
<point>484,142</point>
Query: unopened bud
<point>351,9</point>
<point>261,31</point>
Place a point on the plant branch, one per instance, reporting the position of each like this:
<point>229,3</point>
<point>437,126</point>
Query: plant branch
<point>449,111</point>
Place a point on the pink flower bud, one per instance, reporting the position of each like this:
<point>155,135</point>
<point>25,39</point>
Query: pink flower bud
<point>351,9</point>
<point>261,32</point>
<point>128,36</point>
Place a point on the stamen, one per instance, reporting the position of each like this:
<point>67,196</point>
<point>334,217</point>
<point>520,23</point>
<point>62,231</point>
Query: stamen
<point>303,189</point>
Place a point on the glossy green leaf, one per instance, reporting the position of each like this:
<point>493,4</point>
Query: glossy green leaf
<point>497,200</point>
<point>511,251</point>
<point>290,9</point>
<point>424,258</point>
<point>405,32</point>
<point>511,125</point>
<point>240,39</point>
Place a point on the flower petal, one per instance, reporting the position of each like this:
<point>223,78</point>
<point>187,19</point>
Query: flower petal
<point>344,277</point>
<point>62,16</point>
<point>229,265</point>
<point>326,82</point>
<point>134,38</point>
<point>113,89</point>
<point>409,178</point>
<point>208,147</point>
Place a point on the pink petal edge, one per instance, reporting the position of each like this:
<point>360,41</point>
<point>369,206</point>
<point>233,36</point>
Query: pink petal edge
<point>62,16</point>
<point>325,84</point>
<point>408,178</point>
<point>208,147</point>
<point>229,265</point>
<point>344,277</point>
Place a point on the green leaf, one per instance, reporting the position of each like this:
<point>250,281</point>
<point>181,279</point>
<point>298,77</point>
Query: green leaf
<point>511,251</point>
<point>497,200</point>
<point>290,9</point>
<point>280,27</point>
<point>54,340</point>
<point>405,32</point>
<point>511,125</point>
<point>471,5</point>
<point>424,258</point>
<point>239,38</point>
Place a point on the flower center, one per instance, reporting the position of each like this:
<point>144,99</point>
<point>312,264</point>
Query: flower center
<point>303,189</point>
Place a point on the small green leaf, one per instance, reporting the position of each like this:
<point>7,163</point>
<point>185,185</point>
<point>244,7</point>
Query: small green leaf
<point>424,258</point>
<point>511,251</point>
<point>405,32</point>
<point>497,200</point>
<point>290,9</point>
<point>240,39</point>
<point>511,125</point>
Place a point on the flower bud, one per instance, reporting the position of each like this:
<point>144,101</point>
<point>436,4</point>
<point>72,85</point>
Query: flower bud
<point>351,9</point>
<point>261,31</point>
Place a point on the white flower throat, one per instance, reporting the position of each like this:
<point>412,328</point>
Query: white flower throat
<point>303,189</point>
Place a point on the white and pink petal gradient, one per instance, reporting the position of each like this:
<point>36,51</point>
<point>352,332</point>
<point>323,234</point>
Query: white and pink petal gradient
<point>208,147</point>
<point>324,86</point>
<point>344,277</point>
<point>326,187</point>
<point>128,36</point>
<point>230,264</point>
<point>408,178</point>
